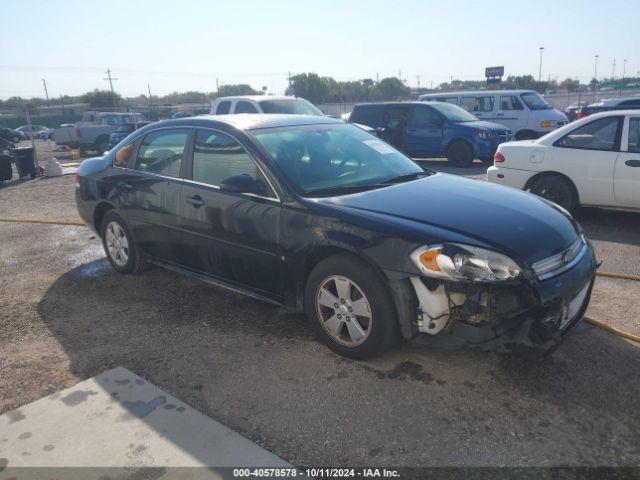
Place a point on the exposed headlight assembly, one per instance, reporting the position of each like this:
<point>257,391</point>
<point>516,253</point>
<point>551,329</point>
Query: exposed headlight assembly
<point>460,263</point>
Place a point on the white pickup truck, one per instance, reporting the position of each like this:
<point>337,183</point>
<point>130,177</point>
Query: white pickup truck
<point>93,130</point>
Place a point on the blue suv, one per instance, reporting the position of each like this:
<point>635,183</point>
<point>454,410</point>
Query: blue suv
<point>436,129</point>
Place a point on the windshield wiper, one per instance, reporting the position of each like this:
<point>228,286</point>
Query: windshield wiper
<point>405,177</point>
<point>338,189</point>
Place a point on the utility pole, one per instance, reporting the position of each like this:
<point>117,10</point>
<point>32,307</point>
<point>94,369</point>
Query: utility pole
<point>540,68</point>
<point>110,79</point>
<point>400,74</point>
<point>289,78</point>
<point>62,104</point>
<point>613,70</point>
<point>595,77</point>
<point>624,71</point>
<point>217,84</point>
<point>150,98</point>
<point>418,80</point>
<point>46,93</point>
<point>377,77</point>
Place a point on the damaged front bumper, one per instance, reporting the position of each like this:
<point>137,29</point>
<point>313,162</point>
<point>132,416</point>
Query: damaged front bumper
<point>529,312</point>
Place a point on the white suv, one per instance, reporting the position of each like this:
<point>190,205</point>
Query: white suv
<point>263,104</point>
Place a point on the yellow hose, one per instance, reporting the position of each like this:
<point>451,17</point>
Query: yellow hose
<point>604,326</point>
<point>609,328</point>
<point>45,222</point>
<point>624,276</point>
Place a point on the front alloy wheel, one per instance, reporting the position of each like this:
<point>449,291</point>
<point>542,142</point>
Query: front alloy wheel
<point>350,307</point>
<point>343,310</point>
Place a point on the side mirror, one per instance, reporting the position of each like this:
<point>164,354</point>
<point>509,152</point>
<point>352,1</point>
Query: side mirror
<point>243,183</point>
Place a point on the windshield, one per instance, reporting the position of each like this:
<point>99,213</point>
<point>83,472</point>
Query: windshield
<point>298,106</point>
<point>535,101</point>
<point>453,113</point>
<point>323,159</point>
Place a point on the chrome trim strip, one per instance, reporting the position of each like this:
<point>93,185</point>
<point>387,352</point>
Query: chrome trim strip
<point>564,267</point>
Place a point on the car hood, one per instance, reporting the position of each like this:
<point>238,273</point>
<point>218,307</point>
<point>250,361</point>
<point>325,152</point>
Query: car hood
<point>509,220</point>
<point>484,125</point>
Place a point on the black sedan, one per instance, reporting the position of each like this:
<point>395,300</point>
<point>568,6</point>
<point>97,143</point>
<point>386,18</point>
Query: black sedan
<point>318,215</point>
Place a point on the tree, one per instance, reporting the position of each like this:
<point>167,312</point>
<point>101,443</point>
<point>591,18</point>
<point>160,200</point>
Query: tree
<point>392,88</point>
<point>239,89</point>
<point>101,98</point>
<point>310,86</point>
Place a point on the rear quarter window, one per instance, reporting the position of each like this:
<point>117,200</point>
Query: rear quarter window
<point>371,115</point>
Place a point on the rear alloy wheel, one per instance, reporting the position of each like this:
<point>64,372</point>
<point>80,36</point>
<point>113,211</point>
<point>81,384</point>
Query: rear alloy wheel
<point>460,154</point>
<point>555,189</point>
<point>119,246</point>
<point>350,308</point>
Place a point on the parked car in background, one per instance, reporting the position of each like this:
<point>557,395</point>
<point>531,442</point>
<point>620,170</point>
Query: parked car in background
<point>573,110</point>
<point>94,130</point>
<point>609,104</point>
<point>318,215</point>
<point>123,131</point>
<point>434,129</point>
<point>525,112</point>
<point>11,135</point>
<point>263,104</point>
<point>33,131</point>
<point>594,161</point>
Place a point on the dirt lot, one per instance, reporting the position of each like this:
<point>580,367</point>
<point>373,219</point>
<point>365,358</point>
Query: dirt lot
<point>65,315</point>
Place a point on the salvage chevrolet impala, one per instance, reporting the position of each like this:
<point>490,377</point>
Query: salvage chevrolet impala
<point>318,215</point>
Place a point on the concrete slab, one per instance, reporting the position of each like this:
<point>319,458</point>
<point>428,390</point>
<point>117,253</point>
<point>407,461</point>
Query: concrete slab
<point>118,419</point>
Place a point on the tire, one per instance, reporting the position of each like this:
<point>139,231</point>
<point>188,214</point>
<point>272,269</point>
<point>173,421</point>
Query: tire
<point>557,190</point>
<point>124,255</point>
<point>102,145</point>
<point>460,154</point>
<point>359,337</point>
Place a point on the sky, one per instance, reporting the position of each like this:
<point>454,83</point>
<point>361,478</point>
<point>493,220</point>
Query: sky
<point>182,45</point>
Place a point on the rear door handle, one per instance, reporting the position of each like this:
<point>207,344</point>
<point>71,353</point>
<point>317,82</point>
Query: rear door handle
<point>195,200</point>
<point>632,163</point>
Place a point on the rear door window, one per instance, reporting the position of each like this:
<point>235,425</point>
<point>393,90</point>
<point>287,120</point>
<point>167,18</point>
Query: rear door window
<point>223,108</point>
<point>161,152</point>
<point>371,115</point>
<point>634,135</point>
<point>477,104</point>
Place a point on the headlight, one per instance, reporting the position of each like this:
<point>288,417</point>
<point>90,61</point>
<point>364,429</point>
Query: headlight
<point>457,262</point>
<point>546,124</point>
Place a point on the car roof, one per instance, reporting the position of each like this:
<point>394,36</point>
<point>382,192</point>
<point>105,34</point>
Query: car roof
<point>251,121</point>
<point>257,98</point>
<point>476,92</point>
<point>412,102</point>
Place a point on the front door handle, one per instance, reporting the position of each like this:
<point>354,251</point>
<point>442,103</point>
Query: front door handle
<point>632,163</point>
<point>195,200</point>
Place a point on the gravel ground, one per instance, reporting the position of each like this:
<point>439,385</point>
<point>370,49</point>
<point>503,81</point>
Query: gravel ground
<point>65,315</point>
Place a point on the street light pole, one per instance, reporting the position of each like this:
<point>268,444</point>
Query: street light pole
<point>624,71</point>
<point>540,69</point>
<point>595,77</point>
